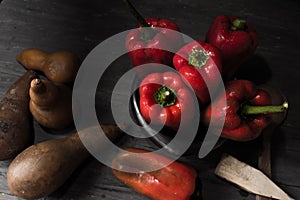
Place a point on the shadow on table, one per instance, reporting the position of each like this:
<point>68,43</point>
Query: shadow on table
<point>256,69</point>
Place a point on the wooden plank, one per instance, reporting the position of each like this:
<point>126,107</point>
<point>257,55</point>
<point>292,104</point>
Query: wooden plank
<point>81,24</point>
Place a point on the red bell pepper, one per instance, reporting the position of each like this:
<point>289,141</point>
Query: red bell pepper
<point>237,40</point>
<point>152,45</point>
<point>168,90</point>
<point>175,181</point>
<point>247,111</point>
<point>196,60</point>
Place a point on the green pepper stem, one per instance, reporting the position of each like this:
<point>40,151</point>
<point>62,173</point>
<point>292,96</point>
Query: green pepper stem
<point>198,58</point>
<point>165,96</point>
<point>238,24</point>
<point>147,33</point>
<point>253,110</point>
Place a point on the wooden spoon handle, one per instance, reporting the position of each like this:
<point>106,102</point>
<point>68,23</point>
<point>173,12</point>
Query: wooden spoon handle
<point>264,157</point>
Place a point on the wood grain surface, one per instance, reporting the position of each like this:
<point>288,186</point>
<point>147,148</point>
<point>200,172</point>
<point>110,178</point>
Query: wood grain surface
<point>80,25</point>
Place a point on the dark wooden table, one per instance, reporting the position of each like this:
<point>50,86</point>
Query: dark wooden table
<point>80,25</point>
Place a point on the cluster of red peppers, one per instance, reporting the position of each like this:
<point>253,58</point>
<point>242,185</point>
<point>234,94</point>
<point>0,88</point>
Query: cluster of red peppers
<point>230,41</point>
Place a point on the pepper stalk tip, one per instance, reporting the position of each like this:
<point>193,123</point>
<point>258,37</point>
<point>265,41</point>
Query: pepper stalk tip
<point>285,105</point>
<point>165,96</point>
<point>198,58</point>
<point>238,24</point>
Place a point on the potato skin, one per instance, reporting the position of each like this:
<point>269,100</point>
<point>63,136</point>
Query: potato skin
<point>32,58</point>
<point>16,124</point>
<point>42,168</point>
<point>51,104</point>
<point>59,67</point>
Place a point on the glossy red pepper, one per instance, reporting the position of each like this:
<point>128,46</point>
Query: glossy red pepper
<point>147,45</point>
<point>247,111</point>
<point>175,181</point>
<point>175,100</point>
<point>237,40</point>
<point>200,64</point>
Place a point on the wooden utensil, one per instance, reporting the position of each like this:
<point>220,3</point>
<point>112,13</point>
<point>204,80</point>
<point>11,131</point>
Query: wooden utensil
<point>264,157</point>
<point>249,178</point>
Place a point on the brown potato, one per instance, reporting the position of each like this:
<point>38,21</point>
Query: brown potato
<point>59,67</point>
<point>51,104</point>
<point>44,167</point>
<point>16,126</point>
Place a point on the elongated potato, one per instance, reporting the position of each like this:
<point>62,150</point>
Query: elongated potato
<point>44,167</point>
<point>16,126</point>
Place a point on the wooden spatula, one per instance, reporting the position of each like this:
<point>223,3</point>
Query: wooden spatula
<point>249,178</point>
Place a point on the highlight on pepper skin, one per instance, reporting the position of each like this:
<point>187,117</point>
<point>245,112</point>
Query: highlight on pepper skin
<point>248,111</point>
<point>170,92</point>
<point>174,181</point>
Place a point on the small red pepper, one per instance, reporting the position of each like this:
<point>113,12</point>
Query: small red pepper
<point>196,60</point>
<point>152,45</point>
<point>247,111</point>
<point>237,40</point>
<point>175,181</point>
<point>168,90</point>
